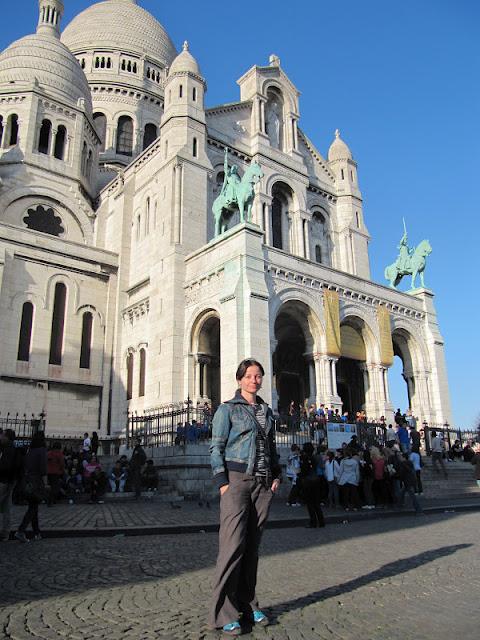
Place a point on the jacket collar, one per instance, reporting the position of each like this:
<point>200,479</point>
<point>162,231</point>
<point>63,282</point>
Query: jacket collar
<point>239,399</point>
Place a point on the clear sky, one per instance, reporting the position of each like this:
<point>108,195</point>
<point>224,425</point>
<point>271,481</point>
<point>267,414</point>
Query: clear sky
<point>400,81</point>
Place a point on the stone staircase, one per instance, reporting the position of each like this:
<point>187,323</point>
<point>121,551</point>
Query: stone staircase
<point>460,483</point>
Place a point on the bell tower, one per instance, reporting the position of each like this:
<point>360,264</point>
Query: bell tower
<point>50,17</point>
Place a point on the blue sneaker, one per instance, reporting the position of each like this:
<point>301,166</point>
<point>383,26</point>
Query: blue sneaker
<point>260,618</point>
<point>232,628</point>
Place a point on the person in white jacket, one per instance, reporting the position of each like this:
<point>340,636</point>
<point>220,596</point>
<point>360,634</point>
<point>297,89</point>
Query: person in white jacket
<point>332,469</point>
<point>348,480</point>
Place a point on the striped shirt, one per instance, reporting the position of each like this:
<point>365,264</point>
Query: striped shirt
<point>262,457</point>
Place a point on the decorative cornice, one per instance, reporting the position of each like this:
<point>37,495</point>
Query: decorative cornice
<point>136,311</point>
<point>228,107</point>
<point>349,294</point>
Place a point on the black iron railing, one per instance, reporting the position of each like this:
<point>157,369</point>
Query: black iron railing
<point>24,426</point>
<point>174,424</point>
<point>449,436</point>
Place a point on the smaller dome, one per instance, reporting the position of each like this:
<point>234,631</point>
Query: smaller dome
<point>185,62</point>
<point>43,57</point>
<point>339,150</point>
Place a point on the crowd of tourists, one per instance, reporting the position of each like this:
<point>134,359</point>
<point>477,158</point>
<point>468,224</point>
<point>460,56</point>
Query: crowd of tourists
<point>356,476</point>
<point>40,474</point>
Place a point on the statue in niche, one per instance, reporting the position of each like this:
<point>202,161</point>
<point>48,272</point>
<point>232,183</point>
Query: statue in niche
<point>274,123</point>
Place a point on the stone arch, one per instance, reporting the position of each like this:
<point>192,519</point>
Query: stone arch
<point>73,290</point>
<point>14,203</point>
<point>414,359</point>
<point>297,332</point>
<point>355,368</point>
<point>320,235</point>
<point>205,350</point>
<point>299,200</point>
<point>88,307</point>
<point>283,205</point>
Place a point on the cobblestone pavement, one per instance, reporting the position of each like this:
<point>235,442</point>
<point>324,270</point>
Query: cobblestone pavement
<point>128,514</point>
<point>408,578</point>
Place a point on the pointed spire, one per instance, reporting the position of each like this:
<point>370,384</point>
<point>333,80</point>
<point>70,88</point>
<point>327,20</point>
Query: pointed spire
<point>186,46</point>
<point>337,133</point>
<point>50,17</point>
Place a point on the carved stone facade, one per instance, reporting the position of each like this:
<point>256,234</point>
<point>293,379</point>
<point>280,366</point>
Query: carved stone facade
<point>112,139</point>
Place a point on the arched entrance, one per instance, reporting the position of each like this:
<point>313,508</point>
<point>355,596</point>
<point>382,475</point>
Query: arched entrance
<point>351,368</point>
<point>403,387</point>
<point>291,368</point>
<point>206,355</point>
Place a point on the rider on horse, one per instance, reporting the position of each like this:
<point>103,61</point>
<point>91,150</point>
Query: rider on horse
<point>405,253</point>
<point>231,181</point>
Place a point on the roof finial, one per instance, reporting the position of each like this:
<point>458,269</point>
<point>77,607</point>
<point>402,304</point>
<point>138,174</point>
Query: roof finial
<point>186,46</point>
<point>337,133</point>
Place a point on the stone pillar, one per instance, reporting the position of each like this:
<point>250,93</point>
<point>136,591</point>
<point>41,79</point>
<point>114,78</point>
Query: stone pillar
<point>51,144</point>
<point>299,240</point>
<point>307,239</point>
<point>273,346</point>
<point>311,378</point>
<point>262,117</point>
<point>319,379</point>
<point>177,203</point>
<point>268,224</point>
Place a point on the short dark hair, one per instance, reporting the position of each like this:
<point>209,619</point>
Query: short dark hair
<point>243,366</point>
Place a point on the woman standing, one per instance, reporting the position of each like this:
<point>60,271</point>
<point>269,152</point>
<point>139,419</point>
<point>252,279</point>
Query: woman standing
<point>35,467</point>
<point>245,468</point>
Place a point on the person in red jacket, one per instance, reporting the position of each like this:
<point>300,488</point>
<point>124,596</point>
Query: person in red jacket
<point>55,471</point>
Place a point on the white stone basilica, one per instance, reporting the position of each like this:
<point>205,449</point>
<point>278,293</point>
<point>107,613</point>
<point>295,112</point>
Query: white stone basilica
<point>116,297</point>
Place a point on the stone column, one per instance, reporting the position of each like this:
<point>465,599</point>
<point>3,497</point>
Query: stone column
<point>268,224</point>
<point>262,117</point>
<point>273,346</point>
<point>312,379</point>
<point>307,238</point>
<point>299,236</point>
<point>177,203</point>
<point>51,144</point>
<point>319,379</point>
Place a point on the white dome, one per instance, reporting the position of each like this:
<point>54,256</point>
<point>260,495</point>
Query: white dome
<point>119,25</point>
<point>44,57</point>
<point>185,62</point>
<point>338,149</point>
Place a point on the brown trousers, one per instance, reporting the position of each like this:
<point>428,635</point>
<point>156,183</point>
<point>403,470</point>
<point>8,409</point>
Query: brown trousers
<point>244,511</point>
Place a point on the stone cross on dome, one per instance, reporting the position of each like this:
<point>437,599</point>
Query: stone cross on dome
<point>50,16</point>
<point>186,46</point>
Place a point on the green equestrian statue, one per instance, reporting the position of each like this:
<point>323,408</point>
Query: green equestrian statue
<point>236,193</point>
<point>411,261</point>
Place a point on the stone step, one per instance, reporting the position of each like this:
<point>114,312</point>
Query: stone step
<point>171,496</point>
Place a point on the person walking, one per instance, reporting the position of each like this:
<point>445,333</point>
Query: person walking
<point>246,470</point>
<point>34,490</point>
<point>94,443</point>
<point>10,469</point>
<point>138,459</point>
<point>438,448</point>
<point>409,483</point>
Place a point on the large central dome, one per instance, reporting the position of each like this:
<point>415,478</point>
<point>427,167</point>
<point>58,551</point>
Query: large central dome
<point>120,25</point>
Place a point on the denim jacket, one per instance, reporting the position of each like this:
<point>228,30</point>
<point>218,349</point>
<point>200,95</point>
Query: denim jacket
<point>234,433</point>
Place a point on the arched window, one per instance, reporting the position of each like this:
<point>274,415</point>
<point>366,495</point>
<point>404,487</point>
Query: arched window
<point>141,378</point>
<point>1,130</point>
<point>129,376</point>
<point>195,148</point>
<point>166,148</point>
<point>318,253</point>
<point>180,91</point>
<point>194,94</point>
<point>13,128</point>
<point>60,143</point>
<point>147,216</point>
<point>357,216</point>
<point>149,135</point>
<point>58,324</point>
<point>277,239</point>
<point>125,136</point>
<point>342,173</point>
<point>84,158</point>
<point>138,228</point>
<point>25,337</point>
<point>86,344</point>
<point>100,120</point>
<point>88,169</point>
<point>44,139</point>
<point>97,62</point>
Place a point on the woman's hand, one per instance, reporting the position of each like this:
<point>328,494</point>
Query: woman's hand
<point>223,489</point>
<point>275,485</point>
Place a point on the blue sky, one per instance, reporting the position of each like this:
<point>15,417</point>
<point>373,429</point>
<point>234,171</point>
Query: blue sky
<point>400,81</point>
